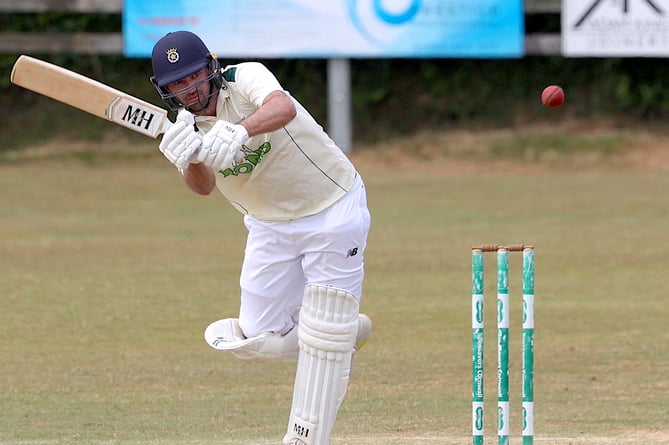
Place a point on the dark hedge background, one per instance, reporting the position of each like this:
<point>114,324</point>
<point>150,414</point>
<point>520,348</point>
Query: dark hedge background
<point>390,96</point>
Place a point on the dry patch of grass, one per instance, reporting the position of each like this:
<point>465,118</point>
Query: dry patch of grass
<point>573,145</point>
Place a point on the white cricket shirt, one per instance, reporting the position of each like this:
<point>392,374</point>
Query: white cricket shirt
<point>290,173</point>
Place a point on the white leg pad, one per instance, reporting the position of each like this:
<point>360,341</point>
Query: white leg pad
<point>226,335</point>
<point>326,337</point>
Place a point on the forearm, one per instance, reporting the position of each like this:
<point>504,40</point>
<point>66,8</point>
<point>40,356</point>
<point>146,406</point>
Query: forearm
<point>222,145</point>
<point>199,178</point>
<point>276,111</point>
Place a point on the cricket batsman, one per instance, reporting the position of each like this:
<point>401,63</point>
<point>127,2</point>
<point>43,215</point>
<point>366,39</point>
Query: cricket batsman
<point>304,206</point>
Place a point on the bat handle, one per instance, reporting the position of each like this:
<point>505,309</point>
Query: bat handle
<point>166,126</point>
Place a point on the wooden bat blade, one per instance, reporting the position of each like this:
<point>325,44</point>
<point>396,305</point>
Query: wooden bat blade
<point>89,95</point>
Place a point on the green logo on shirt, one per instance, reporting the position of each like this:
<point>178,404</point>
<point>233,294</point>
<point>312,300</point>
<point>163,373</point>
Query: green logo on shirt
<point>252,159</point>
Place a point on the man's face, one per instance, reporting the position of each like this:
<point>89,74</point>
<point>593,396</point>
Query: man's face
<point>194,92</point>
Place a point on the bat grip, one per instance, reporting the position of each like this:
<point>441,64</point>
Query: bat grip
<point>166,126</point>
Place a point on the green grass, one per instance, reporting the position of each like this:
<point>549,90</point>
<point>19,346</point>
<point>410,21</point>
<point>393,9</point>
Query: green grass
<point>111,270</point>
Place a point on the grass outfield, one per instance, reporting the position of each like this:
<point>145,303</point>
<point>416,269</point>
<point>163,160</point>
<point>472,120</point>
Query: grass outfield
<point>111,270</point>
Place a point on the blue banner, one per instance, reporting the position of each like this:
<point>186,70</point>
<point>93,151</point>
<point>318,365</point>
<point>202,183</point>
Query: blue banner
<point>336,28</point>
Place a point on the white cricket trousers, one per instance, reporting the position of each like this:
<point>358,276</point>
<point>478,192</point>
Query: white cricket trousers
<point>282,256</point>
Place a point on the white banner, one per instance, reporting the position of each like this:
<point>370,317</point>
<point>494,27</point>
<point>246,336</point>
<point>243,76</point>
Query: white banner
<point>615,28</point>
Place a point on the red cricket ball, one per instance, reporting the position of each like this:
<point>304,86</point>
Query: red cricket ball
<point>552,96</point>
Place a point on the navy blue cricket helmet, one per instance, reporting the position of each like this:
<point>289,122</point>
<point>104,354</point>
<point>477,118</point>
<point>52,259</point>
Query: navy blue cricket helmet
<point>180,54</point>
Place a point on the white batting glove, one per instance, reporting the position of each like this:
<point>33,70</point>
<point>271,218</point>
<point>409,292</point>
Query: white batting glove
<point>180,142</point>
<point>222,145</point>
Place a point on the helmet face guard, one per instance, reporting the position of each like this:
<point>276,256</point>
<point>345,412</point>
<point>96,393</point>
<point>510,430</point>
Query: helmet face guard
<point>215,79</point>
<point>178,55</point>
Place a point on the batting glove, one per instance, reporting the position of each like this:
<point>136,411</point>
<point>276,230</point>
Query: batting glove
<point>180,142</point>
<point>222,145</point>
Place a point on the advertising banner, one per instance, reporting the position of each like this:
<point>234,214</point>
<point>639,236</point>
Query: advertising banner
<point>624,28</point>
<point>329,29</point>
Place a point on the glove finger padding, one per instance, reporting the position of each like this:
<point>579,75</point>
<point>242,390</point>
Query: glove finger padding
<point>230,157</point>
<point>222,145</point>
<point>172,137</point>
<point>213,152</point>
<point>185,116</point>
<point>180,141</point>
<point>190,146</point>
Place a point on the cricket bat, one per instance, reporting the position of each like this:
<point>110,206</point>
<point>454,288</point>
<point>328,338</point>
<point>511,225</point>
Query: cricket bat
<point>89,95</point>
